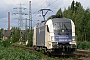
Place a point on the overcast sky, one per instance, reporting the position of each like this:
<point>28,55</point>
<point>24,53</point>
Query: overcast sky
<point>8,5</point>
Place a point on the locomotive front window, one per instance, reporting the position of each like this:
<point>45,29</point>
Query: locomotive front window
<point>64,25</point>
<point>60,27</point>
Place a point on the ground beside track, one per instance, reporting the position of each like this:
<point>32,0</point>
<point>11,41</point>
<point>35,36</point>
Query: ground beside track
<point>78,55</point>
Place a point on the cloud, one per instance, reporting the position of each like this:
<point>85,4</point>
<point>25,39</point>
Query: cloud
<point>8,5</point>
<point>85,3</point>
<point>3,23</point>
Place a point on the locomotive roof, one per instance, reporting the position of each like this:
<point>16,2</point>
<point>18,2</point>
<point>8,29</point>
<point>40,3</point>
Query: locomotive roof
<point>41,24</point>
<point>61,20</point>
<point>54,20</point>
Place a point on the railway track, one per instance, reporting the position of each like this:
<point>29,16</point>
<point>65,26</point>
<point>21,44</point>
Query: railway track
<point>24,47</point>
<point>78,54</point>
<point>82,55</point>
<point>82,52</point>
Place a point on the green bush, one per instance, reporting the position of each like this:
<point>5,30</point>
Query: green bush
<point>5,43</point>
<point>83,44</point>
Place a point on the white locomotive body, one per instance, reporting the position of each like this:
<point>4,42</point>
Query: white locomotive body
<point>55,36</point>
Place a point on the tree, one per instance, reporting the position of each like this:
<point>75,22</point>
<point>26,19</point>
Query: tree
<point>1,33</point>
<point>72,6</point>
<point>59,12</point>
<point>80,17</point>
<point>15,34</point>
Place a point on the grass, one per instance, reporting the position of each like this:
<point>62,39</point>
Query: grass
<point>7,52</point>
<point>83,45</point>
<point>11,53</point>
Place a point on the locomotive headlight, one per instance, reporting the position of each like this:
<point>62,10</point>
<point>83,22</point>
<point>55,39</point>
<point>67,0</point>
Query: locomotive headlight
<point>73,39</point>
<point>62,30</point>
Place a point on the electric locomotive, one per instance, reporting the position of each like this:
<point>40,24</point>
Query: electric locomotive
<point>55,36</point>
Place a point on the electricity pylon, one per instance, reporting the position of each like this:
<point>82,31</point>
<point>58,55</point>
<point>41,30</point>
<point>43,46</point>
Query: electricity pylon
<point>20,13</point>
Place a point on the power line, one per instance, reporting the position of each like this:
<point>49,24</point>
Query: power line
<point>45,7</point>
<point>38,9</point>
<point>51,3</point>
<point>48,6</point>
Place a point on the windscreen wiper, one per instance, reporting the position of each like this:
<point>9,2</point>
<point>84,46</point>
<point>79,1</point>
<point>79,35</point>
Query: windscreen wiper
<point>66,28</point>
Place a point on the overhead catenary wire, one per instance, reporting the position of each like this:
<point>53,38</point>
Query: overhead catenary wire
<point>40,6</point>
<point>46,7</point>
<point>51,3</point>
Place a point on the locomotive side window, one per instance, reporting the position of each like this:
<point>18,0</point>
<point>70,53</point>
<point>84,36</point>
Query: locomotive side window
<point>47,28</point>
